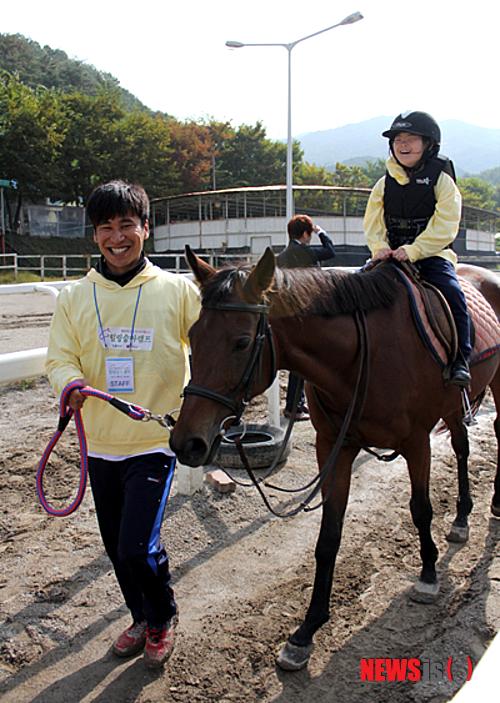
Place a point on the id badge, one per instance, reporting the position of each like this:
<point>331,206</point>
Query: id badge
<point>120,375</point>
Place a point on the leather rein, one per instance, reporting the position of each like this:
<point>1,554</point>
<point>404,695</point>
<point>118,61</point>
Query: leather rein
<point>252,374</point>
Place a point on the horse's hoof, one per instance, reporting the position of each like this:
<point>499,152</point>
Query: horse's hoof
<point>292,657</point>
<point>495,510</point>
<point>424,592</point>
<point>458,534</point>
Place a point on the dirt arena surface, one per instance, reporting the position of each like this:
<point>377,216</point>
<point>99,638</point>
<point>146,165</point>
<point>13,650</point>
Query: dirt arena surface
<point>242,578</point>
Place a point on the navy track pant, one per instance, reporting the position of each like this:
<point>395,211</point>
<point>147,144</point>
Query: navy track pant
<point>293,382</point>
<point>441,273</point>
<point>130,497</point>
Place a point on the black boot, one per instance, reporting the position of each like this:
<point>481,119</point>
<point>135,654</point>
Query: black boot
<point>459,374</point>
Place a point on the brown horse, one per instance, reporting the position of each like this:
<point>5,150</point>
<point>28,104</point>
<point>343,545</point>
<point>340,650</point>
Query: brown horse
<point>324,323</point>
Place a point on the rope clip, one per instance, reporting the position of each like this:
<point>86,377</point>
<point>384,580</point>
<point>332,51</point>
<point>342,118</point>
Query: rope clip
<point>166,421</point>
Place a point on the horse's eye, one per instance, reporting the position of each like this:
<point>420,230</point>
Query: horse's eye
<point>242,344</point>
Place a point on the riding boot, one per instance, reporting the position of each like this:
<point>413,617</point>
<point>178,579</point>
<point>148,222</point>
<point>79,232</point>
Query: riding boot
<point>459,374</point>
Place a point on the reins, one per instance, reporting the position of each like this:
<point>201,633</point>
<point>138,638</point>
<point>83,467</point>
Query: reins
<point>352,436</point>
<point>331,463</point>
<point>135,412</point>
<point>246,384</point>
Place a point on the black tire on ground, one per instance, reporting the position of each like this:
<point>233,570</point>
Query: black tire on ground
<point>261,444</point>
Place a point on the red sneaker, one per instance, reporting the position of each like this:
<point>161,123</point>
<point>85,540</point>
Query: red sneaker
<point>159,644</point>
<point>132,640</point>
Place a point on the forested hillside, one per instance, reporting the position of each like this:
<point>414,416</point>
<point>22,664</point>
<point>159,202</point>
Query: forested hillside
<point>35,66</point>
<point>473,149</point>
<point>66,126</point>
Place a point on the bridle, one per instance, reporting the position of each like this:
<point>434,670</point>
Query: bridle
<point>253,371</point>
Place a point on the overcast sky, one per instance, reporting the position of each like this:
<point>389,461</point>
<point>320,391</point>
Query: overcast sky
<point>435,55</point>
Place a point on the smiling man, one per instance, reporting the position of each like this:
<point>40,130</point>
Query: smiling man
<point>124,329</point>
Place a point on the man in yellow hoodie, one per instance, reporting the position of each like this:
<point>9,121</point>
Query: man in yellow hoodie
<point>413,214</point>
<point>124,329</point>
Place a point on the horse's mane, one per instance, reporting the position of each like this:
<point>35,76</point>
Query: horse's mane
<point>314,291</point>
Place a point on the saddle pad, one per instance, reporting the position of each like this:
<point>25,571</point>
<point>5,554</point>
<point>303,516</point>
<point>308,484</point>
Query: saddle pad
<point>424,327</point>
<point>486,324</point>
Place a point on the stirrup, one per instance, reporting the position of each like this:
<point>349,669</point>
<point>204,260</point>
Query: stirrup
<point>468,418</point>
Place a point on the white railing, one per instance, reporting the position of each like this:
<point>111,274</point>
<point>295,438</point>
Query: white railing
<point>44,264</point>
<point>54,287</point>
<point>17,366</point>
<point>72,265</point>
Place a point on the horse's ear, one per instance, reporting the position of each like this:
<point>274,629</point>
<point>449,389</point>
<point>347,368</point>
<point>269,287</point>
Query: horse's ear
<point>260,278</point>
<point>203,272</point>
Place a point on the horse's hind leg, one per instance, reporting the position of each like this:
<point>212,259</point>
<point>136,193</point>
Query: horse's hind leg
<point>495,503</point>
<point>418,457</point>
<point>459,531</point>
<point>495,389</point>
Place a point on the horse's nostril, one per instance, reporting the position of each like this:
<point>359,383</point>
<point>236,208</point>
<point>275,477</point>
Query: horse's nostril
<point>196,447</point>
<point>192,451</point>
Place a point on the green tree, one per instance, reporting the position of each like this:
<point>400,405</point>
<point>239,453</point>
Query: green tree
<point>477,193</point>
<point>141,152</point>
<point>496,198</point>
<point>103,142</point>
<point>492,176</point>
<point>251,159</point>
<point>221,134</point>
<point>32,127</point>
<point>89,151</point>
<point>374,170</point>
<point>312,175</point>
<point>52,68</point>
<point>348,176</point>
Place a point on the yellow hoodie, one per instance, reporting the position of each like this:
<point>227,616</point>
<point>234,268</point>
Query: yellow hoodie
<point>168,306</point>
<point>441,229</point>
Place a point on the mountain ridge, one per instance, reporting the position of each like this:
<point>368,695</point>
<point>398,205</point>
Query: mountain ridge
<point>472,149</point>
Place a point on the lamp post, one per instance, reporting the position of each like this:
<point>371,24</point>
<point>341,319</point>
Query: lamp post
<point>355,17</point>
<point>273,392</point>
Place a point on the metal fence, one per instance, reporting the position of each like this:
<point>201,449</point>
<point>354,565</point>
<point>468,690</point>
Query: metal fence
<point>65,266</point>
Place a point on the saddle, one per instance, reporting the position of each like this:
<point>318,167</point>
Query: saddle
<point>432,315</point>
<point>435,323</point>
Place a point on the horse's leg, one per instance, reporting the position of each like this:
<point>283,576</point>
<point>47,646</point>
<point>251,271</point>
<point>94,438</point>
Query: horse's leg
<point>459,531</point>
<point>418,456</point>
<point>495,389</point>
<point>299,647</point>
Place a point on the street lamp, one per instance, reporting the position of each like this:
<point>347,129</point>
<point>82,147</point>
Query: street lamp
<point>355,17</point>
<point>273,393</point>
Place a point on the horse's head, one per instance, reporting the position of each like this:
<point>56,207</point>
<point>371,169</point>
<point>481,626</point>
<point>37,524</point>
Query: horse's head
<point>231,361</point>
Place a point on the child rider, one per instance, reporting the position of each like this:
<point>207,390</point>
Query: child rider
<point>414,213</point>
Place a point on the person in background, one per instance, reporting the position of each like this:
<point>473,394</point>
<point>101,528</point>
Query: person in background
<point>300,253</point>
<point>124,329</point>
<point>413,214</point>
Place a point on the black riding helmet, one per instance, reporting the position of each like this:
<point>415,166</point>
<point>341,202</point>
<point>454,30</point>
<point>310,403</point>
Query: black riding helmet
<point>420,123</point>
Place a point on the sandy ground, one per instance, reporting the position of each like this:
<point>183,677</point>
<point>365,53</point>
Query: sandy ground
<point>25,320</point>
<point>242,577</point>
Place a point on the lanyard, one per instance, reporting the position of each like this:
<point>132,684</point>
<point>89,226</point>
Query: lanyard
<point>133,319</point>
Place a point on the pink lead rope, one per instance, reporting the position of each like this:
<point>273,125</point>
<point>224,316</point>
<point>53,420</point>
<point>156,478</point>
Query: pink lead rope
<point>133,411</point>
